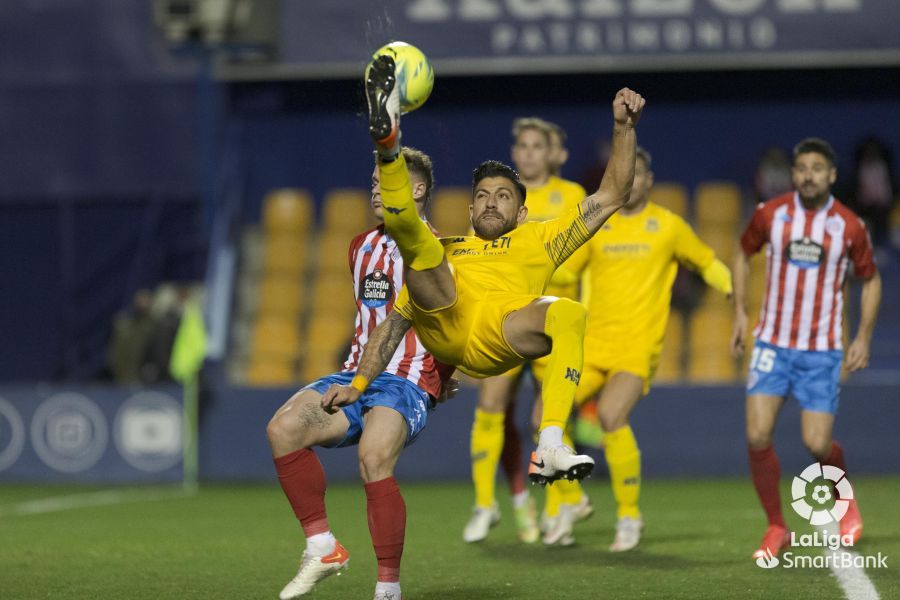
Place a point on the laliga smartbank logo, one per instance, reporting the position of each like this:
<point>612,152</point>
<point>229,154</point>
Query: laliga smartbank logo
<point>821,494</point>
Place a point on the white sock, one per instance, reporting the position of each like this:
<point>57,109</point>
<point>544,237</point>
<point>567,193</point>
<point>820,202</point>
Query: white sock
<point>550,436</point>
<point>390,587</point>
<point>519,500</point>
<point>321,544</point>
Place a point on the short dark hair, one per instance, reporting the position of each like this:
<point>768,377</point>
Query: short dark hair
<point>420,163</point>
<point>641,153</point>
<point>495,168</point>
<point>817,145</point>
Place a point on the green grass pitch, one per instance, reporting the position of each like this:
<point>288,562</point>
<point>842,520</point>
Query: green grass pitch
<point>243,542</point>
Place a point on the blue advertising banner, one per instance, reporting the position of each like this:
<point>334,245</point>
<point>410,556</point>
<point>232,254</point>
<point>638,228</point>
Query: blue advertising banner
<point>99,434</point>
<point>334,37</point>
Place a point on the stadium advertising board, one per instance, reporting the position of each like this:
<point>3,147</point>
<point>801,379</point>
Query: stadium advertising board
<point>90,434</point>
<point>333,37</point>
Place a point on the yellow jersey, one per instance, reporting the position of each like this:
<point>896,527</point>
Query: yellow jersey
<point>550,201</point>
<point>493,278</point>
<point>633,260</point>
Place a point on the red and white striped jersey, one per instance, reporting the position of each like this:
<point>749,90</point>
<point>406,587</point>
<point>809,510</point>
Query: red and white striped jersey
<point>807,258</point>
<point>377,269</point>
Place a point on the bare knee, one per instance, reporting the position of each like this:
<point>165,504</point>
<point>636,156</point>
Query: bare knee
<point>612,417</point>
<point>758,436</point>
<point>818,444</point>
<point>375,464</point>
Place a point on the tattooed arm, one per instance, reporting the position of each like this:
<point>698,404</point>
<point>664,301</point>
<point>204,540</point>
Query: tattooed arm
<point>576,228</point>
<point>381,346</point>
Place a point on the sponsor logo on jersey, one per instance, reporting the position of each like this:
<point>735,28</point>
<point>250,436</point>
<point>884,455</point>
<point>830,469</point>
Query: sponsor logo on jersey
<point>652,225</point>
<point>394,211</point>
<point>376,289</point>
<point>465,252</point>
<point>501,243</point>
<point>805,253</point>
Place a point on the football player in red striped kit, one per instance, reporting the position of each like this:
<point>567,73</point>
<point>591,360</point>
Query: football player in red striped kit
<point>388,417</point>
<point>813,242</point>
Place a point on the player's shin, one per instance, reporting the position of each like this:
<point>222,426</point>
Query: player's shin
<point>387,526</point>
<point>624,461</point>
<point>564,325</point>
<point>486,446</point>
<point>417,244</point>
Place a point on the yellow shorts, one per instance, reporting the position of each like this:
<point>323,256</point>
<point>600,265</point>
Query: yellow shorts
<point>599,367</point>
<point>469,332</point>
<point>537,366</point>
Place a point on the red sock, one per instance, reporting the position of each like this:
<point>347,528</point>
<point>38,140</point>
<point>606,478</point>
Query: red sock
<point>511,457</point>
<point>835,458</point>
<point>387,525</point>
<point>766,473</point>
<point>303,481</point>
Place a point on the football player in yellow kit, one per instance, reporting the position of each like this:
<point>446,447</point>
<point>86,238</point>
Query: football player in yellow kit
<point>632,263</point>
<point>476,302</point>
<point>536,153</point>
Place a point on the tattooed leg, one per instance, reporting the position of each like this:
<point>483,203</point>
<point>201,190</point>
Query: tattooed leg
<point>301,423</point>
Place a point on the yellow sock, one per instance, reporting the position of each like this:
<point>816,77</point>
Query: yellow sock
<point>553,499</point>
<point>569,491</point>
<point>418,246</point>
<point>564,325</point>
<point>486,446</point>
<point>624,460</point>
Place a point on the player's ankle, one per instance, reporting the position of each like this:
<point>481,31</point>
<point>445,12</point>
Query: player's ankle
<point>321,544</point>
<point>550,437</point>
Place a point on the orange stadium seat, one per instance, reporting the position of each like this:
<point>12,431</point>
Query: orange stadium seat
<point>717,203</point>
<point>347,210</point>
<point>276,337</point>
<point>288,211</point>
<point>285,255</point>
<point>671,195</point>
<point>450,212</point>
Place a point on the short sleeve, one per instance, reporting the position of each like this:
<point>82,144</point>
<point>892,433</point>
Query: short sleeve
<point>861,253</point>
<point>402,305</point>
<point>757,232</point>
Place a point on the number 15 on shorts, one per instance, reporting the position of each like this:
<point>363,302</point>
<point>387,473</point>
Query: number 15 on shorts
<point>762,360</point>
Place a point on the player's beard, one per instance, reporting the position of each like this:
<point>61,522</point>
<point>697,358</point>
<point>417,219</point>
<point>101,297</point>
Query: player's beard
<point>493,228</point>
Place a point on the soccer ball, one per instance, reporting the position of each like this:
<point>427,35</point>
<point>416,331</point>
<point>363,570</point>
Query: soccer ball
<point>414,74</point>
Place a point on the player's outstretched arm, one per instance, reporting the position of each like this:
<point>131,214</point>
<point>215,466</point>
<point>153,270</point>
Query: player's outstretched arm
<point>615,187</point>
<point>381,346</point>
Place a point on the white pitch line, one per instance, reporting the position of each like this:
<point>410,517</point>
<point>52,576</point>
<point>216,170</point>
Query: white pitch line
<point>75,501</point>
<point>853,580</point>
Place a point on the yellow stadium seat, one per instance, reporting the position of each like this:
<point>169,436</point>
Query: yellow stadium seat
<point>280,296</point>
<point>670,362</point>
<point>267,371</point>
<point>722,239</point>
<point>285,255</point>
<point>450,211</point>
<point>288,211</point>
<point>276,337</point>
<point>347,210</point>
<point>717,203</point>
<point>671,195</point>
<point>710,338</point>
<point>329,334</point>
<point>333,294</point>
<point>333,251</point>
